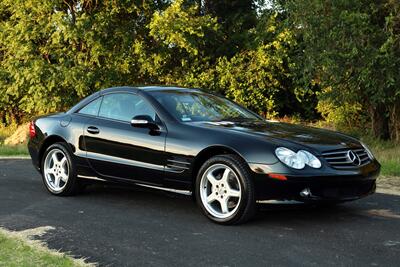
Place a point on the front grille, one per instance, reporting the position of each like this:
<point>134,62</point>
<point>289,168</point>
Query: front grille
<point>340,159</point>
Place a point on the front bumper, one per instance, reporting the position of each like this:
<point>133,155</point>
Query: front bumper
<point>318,186</point>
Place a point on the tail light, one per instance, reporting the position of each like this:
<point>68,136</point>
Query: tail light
<point>32,130</point>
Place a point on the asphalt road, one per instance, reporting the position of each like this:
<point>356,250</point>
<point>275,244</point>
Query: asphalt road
<point>116,226</point>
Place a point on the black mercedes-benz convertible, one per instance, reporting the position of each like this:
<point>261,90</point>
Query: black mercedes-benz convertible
<point>190,141</point>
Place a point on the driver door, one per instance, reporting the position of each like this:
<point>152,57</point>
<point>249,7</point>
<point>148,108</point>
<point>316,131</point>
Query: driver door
<point>116,149</point>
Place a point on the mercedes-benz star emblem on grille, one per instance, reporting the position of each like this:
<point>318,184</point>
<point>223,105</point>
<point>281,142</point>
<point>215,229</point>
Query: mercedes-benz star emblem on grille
<point>354,158</point>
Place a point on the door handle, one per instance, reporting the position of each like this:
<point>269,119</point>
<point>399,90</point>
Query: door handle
<point>93,130</point>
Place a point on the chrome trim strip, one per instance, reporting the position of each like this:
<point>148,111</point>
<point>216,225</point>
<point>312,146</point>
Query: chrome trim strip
<point>180,162</point>
<point>332,157</point>
<point>102,157</point>
<point>352,166</point>
<point>144,122</point>
<point>183,192</point>
<point>177,191</point>
<point>340,162</point>
<point>91,178</point>
<point>335,153</point>
<point>174,170</point>
<point>177,167</point>
<point>280,202</point>
<point>80,153</point>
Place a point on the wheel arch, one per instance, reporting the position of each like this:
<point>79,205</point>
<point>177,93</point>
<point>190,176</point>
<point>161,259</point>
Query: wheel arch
<point>208,153</point>
<point>52,139</point>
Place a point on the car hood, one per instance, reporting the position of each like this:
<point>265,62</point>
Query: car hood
<point>316,139</point>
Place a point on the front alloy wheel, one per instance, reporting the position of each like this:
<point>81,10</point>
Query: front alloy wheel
<point>225,191</point>
<point>220,191</point>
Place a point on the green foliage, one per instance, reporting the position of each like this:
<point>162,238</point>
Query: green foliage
<point>182,42</point>
<point>237,19</point>
<point>7,131</point>
<point>263,78</point>
<point>55,52</point>
<point>182,28</point>
<point>256,78</point>
<point>345,116</point>
<point>353,48</point>
<point>279,58</point>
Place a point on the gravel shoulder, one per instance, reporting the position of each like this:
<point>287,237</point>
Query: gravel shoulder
<point>389,185</point>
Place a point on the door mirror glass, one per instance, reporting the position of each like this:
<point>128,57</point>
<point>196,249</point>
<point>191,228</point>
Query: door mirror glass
<point>144,121</point>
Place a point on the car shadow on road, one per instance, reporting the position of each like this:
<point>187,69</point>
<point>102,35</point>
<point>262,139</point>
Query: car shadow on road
<point>378,206</point>
<point>381,206</point>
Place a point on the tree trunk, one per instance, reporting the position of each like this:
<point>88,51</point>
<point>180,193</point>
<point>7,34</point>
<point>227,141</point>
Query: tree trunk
<point>3,118</point>
<point>380,122</point>
<point>14,116</point>
<point>395,121</point>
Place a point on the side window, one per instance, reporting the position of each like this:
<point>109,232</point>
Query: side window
<point>144,108</point>
<point>92,108</point>
<point>124,107</point>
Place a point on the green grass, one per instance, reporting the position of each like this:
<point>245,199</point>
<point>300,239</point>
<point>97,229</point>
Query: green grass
<point>17,252</point>
<point>387,153</point>
<point>8,150</point>
<point>19,150</point>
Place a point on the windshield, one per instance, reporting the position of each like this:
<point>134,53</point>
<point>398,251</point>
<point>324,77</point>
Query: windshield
<point>199,106</point>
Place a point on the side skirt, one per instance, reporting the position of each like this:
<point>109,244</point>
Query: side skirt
<point>177,191</point>
<point>91,178</point>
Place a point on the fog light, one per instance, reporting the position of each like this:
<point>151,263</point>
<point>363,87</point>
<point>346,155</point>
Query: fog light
<point>305,192</point>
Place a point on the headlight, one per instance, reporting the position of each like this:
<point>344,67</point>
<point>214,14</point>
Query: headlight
<point>370,155</point>
<point>297,160</point>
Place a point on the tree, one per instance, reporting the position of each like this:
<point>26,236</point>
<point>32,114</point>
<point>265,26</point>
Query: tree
<point>236,18</point>
<point>353,50</point>
<point>55,52</point>
<point>262,78</point>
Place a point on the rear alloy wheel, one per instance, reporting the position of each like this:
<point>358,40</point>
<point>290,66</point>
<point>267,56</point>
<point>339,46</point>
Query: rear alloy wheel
<point>225,191</point>
<point>58,171</point>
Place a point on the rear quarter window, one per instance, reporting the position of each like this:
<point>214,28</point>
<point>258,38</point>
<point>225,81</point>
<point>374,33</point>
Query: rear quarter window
<point>92,108</point>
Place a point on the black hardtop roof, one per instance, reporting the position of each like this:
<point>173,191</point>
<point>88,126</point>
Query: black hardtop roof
<point>148,89</point>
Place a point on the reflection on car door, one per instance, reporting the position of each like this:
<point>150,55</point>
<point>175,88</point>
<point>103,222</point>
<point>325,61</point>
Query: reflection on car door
<point>115,149</point>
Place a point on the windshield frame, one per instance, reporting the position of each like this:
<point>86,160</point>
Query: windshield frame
<point>250,115</point>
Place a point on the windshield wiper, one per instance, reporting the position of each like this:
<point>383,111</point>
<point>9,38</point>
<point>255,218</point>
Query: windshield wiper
<point>238,119</point>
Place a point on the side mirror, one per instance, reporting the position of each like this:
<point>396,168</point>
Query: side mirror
<point>144,121</point>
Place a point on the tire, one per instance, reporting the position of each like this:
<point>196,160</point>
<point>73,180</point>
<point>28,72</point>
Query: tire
<point>61,169</point>
<point>225,191</point>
